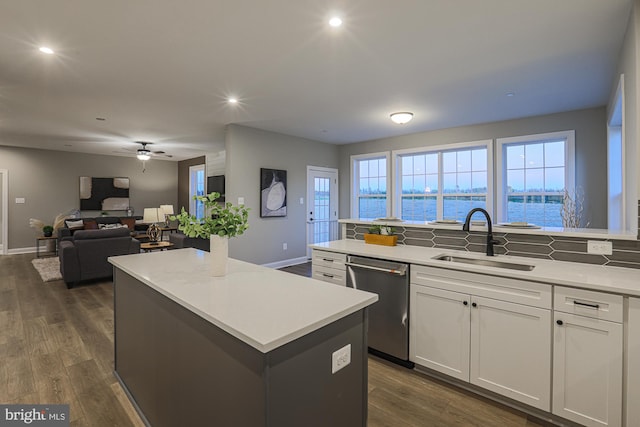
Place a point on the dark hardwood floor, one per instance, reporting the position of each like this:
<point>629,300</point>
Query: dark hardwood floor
<point>56,346</point>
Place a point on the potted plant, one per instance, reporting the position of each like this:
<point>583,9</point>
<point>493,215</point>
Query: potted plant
<point>47,230</point>
<point>381,234</point>
<point>221,222</point>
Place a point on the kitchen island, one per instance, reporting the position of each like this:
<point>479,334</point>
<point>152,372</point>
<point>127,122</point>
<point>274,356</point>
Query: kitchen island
<point>257,347</point>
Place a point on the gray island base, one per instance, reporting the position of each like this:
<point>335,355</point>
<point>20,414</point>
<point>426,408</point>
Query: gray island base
<point>178,368</point>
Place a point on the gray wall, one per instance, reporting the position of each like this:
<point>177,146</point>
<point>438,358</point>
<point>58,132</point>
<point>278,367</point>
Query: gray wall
<point>48,180</point>
<point>250,149</point>
<point>183,182</point>
<point>591,151</point>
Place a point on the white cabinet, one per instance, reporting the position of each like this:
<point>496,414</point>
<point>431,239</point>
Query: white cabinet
<point>329,267</point>
<point>439,330</point>
<point>633,363</point>
<point>587,357</point>
<point>494,332</point>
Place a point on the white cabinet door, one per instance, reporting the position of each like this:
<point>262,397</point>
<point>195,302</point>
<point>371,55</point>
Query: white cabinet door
<point>587,370</point>
<point>633,363</point>
<point>439,333</point>
<point>511,350</point>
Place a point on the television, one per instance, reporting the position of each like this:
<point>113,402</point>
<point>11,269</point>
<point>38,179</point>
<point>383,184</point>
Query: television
<point>216,183</point>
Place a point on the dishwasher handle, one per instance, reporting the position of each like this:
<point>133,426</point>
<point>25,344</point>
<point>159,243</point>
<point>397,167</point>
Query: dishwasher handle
<point>401,272</point>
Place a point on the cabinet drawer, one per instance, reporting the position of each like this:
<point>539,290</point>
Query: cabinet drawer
<point>599,305</point>
<point>329,259</point>
<point>525,292</point>
<point>331,275</point>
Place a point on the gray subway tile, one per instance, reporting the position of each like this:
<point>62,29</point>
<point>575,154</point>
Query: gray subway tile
<point>529,238</point>
<point>529,255</point>
<point>416,242</point>
<point>450,241</point>
<point>623,264</point>
<point>576,257</point>
<point>626,245</point>
<point>624,256</point>
<point>569,246</point>
<point>450,233</point>
<point>419,234</point>
<point>528,248</point>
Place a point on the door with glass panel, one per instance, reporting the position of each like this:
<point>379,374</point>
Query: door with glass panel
<point>322,205</point>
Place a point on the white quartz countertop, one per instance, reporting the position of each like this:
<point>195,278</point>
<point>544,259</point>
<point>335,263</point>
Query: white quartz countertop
<point>263,307</point>
<point>618,280</point>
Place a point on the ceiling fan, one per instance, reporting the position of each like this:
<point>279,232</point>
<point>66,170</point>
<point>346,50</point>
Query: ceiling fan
<point>144,153</point>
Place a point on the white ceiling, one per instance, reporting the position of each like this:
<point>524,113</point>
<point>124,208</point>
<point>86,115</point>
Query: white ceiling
<point>161,70</point>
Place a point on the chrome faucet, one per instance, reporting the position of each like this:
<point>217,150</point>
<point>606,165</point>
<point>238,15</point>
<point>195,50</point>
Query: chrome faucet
<point>490,239</point>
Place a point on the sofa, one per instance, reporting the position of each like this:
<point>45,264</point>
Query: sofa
<point>71,225</point>
<point>181,240</point>
<point>83,256</point>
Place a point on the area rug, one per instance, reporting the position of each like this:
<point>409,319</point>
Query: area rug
<point>48,268</point>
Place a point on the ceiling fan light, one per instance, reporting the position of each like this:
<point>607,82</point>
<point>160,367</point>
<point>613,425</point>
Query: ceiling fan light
<point>401,117</point>
<point>144,155</point>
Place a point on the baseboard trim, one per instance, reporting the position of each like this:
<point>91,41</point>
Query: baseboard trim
<point>16,251</point>
<point>287,262</point>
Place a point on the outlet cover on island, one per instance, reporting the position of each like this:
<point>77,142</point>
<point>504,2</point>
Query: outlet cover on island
<point>340,358</point>
<point>598,247</point>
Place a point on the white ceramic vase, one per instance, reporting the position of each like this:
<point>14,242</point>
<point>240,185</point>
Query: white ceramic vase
<point>219,254</point>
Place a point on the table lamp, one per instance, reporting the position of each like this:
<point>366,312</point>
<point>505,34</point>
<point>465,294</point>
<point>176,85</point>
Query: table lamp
<point>152,216</point>
<point>166,210</point>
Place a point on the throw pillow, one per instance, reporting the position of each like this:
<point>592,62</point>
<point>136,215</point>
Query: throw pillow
<point>74,223</point>
<point>129,222</point>
<point>108,226</point>
<point>90,224</point>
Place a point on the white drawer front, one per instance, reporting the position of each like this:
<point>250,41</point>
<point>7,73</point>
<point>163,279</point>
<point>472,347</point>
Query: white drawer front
<point>331,275</point>
<point>512,290</point>
<point>599,305</point>
<point>329,259</point>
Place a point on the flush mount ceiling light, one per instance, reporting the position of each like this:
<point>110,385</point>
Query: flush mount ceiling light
<point>335,21</point>
<point>401,117</point>
<point>232,100</point>
<point>46,50</point>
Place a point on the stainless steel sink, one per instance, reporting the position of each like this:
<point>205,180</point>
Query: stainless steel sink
<point>485,262</point>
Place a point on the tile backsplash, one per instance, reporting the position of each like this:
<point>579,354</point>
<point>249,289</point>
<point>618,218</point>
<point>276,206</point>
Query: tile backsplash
<point>626,253</point>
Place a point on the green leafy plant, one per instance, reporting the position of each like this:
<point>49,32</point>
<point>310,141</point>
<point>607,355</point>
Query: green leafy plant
<point>47,230</point>
<point>381,229</point>
<point>219,219</point>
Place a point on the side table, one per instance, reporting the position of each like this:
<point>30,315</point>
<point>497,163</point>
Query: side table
<point>46,239</point>
<point>160,246</point>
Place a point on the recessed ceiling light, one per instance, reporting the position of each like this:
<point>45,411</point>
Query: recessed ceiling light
<point>335,21</point>
<point>46,50</point>
<point>233,100</point>
<point>510,94</point>
<point>401,117</point>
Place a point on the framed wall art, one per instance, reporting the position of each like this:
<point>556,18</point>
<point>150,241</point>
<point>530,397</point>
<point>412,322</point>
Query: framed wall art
<point>273,193</point>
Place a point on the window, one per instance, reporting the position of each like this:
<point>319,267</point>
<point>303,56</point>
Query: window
<point>370,182</point>
<point>444,182</point>
<point>535,171</point>
<point>196,188</point>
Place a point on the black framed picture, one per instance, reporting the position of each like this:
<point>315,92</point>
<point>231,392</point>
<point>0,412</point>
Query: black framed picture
<point>273,192</point>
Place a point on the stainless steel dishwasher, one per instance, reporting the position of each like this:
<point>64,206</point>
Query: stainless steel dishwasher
<point>389,317</point>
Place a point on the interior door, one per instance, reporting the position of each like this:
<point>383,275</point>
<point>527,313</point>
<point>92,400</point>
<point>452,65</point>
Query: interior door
<point>322,205</point>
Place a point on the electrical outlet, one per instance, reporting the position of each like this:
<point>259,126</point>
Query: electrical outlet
<point>20,200</point>
<point>598,247</point>
<point>241,201</point>
<point>302,200</point>
<point>340,358</point>
<point>284,246</point>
